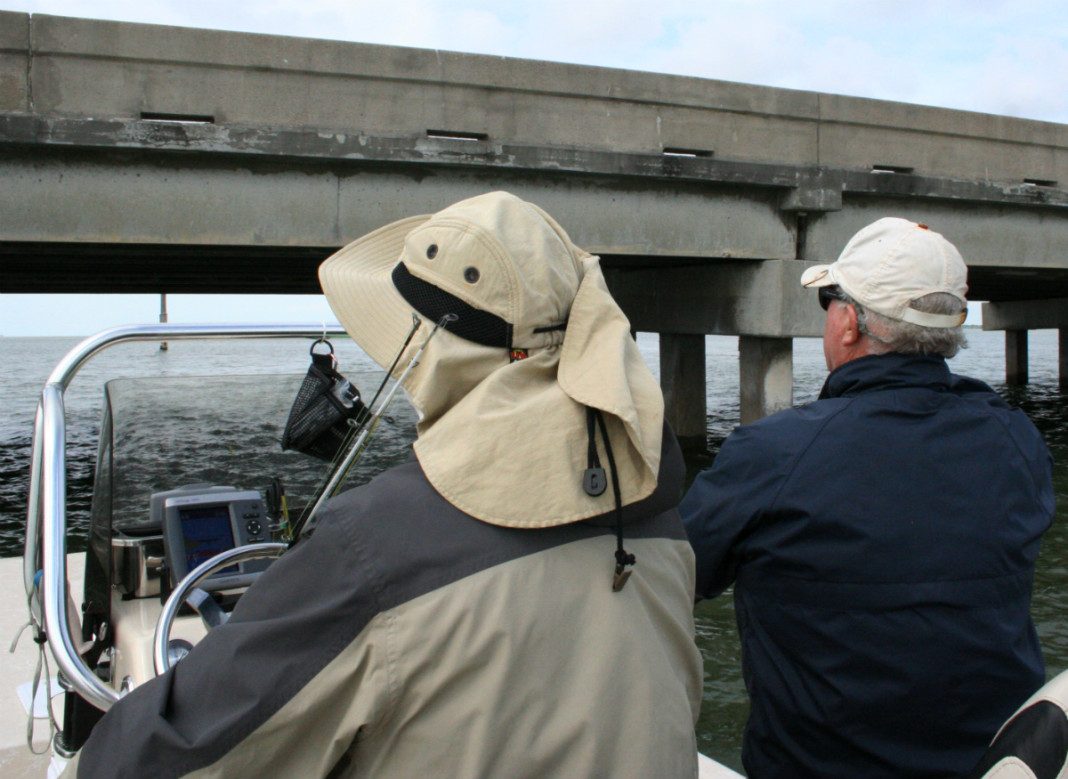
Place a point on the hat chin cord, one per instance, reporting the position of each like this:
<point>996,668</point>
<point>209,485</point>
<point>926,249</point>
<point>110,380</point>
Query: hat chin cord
<point>487,329</point>
<point>594,483</point>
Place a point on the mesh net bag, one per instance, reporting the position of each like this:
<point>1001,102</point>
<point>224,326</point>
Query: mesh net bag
<point>326,410</point>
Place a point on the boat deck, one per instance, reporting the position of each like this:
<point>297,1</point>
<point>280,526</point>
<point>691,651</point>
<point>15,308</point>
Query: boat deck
<point>16,761</point>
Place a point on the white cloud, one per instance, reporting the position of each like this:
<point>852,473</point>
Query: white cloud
<point>1025,75</point>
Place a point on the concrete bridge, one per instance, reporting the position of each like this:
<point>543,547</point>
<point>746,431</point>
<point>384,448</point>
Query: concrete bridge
<point>138,158</point>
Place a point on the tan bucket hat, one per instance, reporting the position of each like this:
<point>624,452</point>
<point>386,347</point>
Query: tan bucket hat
<point>503,391</point>
<point>891,263</point>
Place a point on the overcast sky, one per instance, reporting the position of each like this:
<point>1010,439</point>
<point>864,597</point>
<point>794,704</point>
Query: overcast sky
<point>984,55</point>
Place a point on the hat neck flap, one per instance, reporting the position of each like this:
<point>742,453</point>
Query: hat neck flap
<point>509,444</point>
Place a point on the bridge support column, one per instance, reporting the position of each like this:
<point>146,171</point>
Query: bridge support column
<point>682,378</point>
<point>1016,357</point>
<point>1016,318</point>
<point>1062,354</point>
<point>766,372</point>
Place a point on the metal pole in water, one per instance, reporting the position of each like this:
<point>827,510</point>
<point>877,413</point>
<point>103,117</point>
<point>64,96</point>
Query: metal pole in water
<point>163,317</point>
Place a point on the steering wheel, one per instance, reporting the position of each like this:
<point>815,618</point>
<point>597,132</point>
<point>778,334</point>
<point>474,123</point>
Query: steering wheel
<point>188,591</point>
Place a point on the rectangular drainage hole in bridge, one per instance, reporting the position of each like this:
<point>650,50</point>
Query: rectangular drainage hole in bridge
<point>1040,183</point>
<point>457,135</point>
<point>674,151</point>
<point>149,116</point>
<point>891,169</point>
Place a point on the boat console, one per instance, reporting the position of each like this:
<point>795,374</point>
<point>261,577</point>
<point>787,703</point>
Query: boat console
<point>201,521</point>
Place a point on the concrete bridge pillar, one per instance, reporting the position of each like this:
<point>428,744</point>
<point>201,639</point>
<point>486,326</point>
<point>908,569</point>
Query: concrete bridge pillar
<point>682,377</point>
<point>1016,358</point>
<point>1016,318</point>
<point>766,373</point>
<point>1062,354</point>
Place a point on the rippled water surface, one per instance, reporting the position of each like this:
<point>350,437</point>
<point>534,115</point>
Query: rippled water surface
<point>212,448</point>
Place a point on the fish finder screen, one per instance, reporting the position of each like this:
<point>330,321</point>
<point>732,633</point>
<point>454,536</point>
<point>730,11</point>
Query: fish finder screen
<point>207,532</point>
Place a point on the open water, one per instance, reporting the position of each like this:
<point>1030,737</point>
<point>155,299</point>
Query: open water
<point>27,362</point>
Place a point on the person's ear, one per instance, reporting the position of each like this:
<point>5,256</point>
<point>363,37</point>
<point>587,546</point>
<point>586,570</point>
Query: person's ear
<point>851,330</point>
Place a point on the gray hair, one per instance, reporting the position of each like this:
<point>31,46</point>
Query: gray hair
<point>893,335</point>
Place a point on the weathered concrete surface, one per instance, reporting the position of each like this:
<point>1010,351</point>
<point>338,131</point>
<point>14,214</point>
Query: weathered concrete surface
<point>766,374</point>
<point>939,142</point>
<point>1062,357</point>
<point>1012,252</point>
<point>1023,315</point>
<point>727,298</point>
<point>14,71</point>
<point>98,200</point>
<point>161,200</point>
<point>84,67</point>
<point>1016,367</point>
<point>96,68</point>
<point>682,376</point>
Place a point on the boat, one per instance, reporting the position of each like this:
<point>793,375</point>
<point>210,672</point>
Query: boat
<point>170,548</point>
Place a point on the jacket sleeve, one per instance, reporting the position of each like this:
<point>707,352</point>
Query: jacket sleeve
<point>724,503</point>
<point>281,689</point>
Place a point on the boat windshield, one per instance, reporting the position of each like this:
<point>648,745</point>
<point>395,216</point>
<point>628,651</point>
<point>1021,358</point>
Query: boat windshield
<point>161,433</point>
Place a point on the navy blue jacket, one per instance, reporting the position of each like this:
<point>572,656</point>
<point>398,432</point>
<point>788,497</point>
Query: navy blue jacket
<point>882,543</point>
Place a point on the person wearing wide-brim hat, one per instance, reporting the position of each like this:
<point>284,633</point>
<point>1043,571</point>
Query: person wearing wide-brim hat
<point>537,344</point>
<point>881,541</point>
<point>515,602</point>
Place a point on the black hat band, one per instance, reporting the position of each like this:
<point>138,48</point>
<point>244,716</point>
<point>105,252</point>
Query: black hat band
<point>472,324</point>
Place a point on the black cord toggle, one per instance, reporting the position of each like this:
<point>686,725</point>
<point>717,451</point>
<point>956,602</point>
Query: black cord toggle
<point>623,559</point>
<point>594,481</point>
<point>594,478</point>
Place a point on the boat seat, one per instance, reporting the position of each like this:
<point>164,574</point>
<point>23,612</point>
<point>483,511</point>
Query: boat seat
<point>1033,744</point>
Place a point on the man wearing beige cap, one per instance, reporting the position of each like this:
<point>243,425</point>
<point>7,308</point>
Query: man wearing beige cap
<point>516,601</point>
<point>882,540</point>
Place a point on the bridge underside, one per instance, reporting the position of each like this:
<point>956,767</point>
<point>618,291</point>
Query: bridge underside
<point>51,267</point>
<point>97,206</point>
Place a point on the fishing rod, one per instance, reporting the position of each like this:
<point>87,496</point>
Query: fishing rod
<point>344,466</point>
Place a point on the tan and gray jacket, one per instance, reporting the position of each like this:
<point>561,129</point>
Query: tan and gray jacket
<point>404,638</point>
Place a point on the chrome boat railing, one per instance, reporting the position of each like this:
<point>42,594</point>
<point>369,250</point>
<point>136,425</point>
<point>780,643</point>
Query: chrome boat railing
<point>45,554</point>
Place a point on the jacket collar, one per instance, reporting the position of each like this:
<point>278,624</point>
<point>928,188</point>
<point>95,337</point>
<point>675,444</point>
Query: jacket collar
<point>887,371</point>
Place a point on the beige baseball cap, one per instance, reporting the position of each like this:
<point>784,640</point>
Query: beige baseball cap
<point>891,263</point>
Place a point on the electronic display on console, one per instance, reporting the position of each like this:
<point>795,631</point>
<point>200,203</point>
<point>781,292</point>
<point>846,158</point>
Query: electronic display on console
<point>201,521</point>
